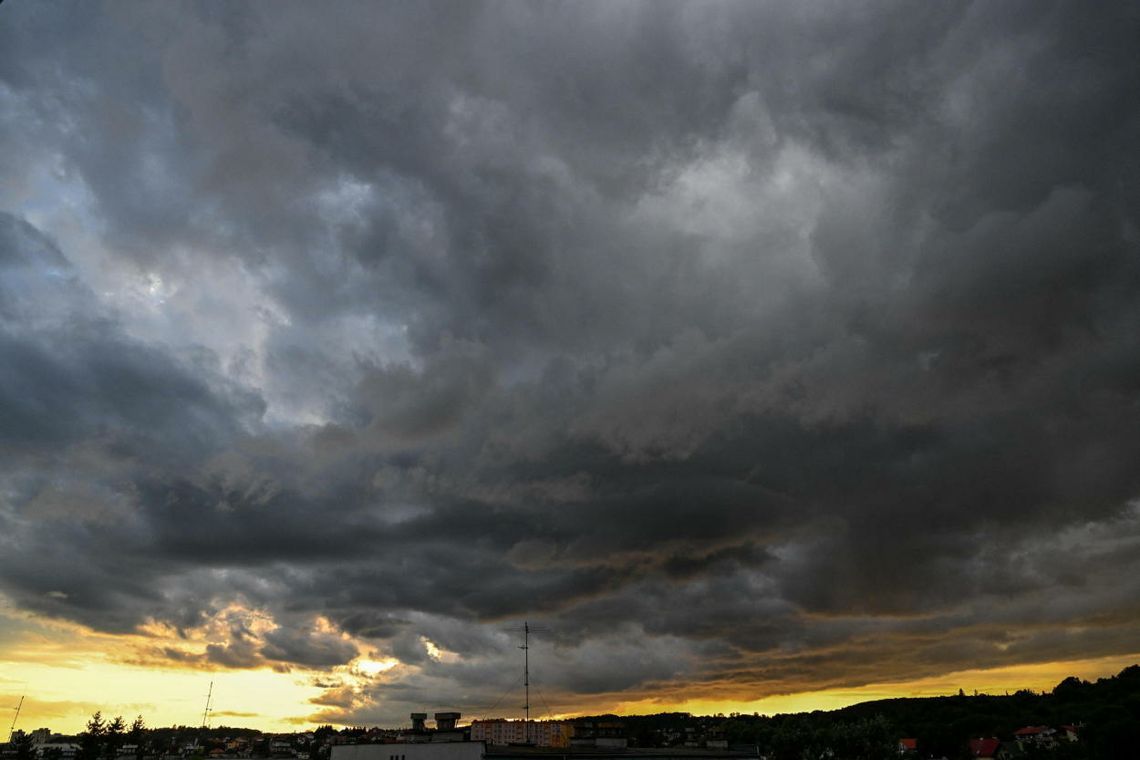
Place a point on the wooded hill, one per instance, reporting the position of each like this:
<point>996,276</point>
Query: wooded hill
<point>1106,712</point>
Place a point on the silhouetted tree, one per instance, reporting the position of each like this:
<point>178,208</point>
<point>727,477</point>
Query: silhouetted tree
<point>1070,687</point>
<point>137,736</point>
<point>114,737</point>
<point>91,740</point>
<point>22,745</point>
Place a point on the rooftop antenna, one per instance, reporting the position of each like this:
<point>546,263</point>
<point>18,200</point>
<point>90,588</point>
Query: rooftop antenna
<point>206,712</point>
<point>526,679</point>
<point>12,730</point>
<point>527,630</point>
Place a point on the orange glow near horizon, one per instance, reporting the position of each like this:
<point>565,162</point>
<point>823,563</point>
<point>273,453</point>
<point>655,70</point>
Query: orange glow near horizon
<point>67,672</point>
<point>1037,677</point>
<point>63,698</point>
<point>64,686</point>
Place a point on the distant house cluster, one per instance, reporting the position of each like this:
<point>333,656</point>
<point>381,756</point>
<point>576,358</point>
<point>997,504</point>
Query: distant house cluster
<point>181,743</point>
<point>503,739</point>
<point>1024,740</point>
<point>665,736</point>
<point>501,732</point>
<point>43,743</point>
<point>483,739</point>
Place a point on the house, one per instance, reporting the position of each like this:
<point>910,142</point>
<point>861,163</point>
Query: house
<point>281,747</point>
<point>607,734</point>
<point>1040,736</point>
<point>984,749</point>
<point>65,750</point>
<point>908,745</point>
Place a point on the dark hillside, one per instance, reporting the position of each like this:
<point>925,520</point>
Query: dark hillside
<point>1105,714</point>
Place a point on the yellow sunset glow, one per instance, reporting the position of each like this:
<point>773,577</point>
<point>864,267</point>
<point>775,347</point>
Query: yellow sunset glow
<point>63,697</point>
<point>67,672</point>
<point>1038,677</point>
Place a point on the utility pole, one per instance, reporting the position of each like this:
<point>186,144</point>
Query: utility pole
<point>12,730</point>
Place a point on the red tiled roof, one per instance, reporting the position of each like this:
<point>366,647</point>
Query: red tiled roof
<point>908,743</point>
<point>983,747</point>
<point>1029,731</point>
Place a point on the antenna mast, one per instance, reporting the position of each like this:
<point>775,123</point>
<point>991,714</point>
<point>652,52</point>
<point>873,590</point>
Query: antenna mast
<point>526,679</point>
<point>527,629</point>
<point>206,712</point>
<point>12,730</point>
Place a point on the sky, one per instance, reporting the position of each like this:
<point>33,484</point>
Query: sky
<point>763,356</point>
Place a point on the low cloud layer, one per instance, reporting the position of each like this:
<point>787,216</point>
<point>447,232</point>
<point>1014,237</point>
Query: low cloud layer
<point>748,349</point>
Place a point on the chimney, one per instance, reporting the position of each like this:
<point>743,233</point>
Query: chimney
<point>445,721</point>
<point>418,721</point>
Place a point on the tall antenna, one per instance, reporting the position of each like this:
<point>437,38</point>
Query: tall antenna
<point>526,679</point>
<point>12,730</point>
<point>527,630</point>
<point>206,712</point>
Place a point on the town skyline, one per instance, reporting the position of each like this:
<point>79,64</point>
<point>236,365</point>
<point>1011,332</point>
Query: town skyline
<point>265,691</point>
<point>1074,720</point>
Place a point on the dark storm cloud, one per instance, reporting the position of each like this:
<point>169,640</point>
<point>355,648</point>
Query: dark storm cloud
<point>311,648</point>
<point>798,341</point>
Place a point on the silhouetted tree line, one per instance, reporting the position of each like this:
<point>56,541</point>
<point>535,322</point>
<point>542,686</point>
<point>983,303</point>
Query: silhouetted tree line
<point>103,739</point>
<point>1107,713</point>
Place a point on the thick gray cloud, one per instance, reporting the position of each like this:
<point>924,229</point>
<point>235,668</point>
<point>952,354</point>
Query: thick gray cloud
<point>796,343</point>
